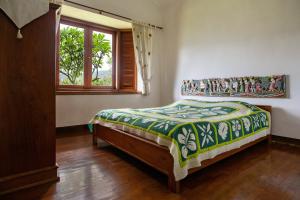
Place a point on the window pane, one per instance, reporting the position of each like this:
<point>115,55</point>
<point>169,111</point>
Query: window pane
<point>71,55</point>
<point>102,59</point>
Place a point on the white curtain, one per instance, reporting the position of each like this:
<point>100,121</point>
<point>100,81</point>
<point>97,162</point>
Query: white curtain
<point>22,12</point>
<point>142,40</point>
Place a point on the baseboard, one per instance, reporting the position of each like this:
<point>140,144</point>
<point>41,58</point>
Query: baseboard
<point>17,182</point>
<point>72,130</point>
<point>75,127</point>
<point>286,140</point>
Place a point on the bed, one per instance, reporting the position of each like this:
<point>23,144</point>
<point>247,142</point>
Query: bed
<point>186,136</point>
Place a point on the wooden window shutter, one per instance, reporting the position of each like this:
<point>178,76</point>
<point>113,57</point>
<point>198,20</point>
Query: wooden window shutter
<point>127,65</point>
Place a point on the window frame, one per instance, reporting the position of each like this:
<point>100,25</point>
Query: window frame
<point>87,87</point>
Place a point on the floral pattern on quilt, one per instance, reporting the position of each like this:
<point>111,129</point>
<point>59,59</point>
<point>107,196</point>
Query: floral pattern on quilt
<point>191,112</point>
<point>187,141</point>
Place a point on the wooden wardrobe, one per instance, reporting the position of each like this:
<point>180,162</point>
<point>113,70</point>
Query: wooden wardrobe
<point>27,103</point>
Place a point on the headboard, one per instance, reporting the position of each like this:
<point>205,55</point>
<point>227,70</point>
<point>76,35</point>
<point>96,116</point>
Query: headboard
<point>265,107</point>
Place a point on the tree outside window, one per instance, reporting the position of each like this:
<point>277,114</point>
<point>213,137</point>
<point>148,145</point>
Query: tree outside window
<point>72,55</point>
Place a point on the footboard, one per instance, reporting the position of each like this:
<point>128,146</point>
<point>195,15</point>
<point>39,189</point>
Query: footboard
<point>145,150</point>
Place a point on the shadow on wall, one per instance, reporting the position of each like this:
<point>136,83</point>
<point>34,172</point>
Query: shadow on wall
<point>283,121</point>
<point>171,61</point>
<point>287,87</point>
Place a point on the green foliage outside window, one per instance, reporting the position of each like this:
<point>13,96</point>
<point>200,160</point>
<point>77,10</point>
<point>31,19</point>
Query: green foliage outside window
<point>71,54</point>
<point>101,49</point>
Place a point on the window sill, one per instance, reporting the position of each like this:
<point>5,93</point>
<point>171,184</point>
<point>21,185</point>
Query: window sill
<point>68,91</point>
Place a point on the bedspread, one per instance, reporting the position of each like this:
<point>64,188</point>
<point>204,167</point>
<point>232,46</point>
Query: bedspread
<point>192,130</point>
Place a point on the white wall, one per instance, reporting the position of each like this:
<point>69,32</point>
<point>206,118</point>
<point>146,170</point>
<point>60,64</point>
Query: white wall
<point>224,38</point>
<point>79,109</point>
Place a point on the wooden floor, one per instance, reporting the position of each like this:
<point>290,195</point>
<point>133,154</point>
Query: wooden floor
<point>90,173</point>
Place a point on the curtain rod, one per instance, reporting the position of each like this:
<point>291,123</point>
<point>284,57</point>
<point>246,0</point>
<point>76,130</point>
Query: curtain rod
<point>101,12</point>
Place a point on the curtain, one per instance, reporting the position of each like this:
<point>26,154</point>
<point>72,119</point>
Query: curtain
<point>142,40</point>
<point>22,12</point>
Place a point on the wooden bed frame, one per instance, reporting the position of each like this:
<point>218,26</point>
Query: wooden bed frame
<point>156,155</point>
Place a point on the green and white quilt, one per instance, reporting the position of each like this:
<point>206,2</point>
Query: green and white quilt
<point>193,130</point>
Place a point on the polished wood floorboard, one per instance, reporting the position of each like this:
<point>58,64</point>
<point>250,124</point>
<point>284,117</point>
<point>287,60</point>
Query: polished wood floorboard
<point>87,172</point>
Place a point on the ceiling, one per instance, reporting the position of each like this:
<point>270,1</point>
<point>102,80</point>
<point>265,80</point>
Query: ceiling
<point>85,15</point>
<point>164,3</point>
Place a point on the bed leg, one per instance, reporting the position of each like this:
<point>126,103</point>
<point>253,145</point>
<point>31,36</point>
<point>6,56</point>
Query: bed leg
<point>173,185</point>
<point>93,132</point>
<point>269,139</point>
<point>94,140</point>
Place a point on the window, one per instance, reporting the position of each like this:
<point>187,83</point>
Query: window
<point>71,52</point>
<point>102,59</point>
<point>89,57</point>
